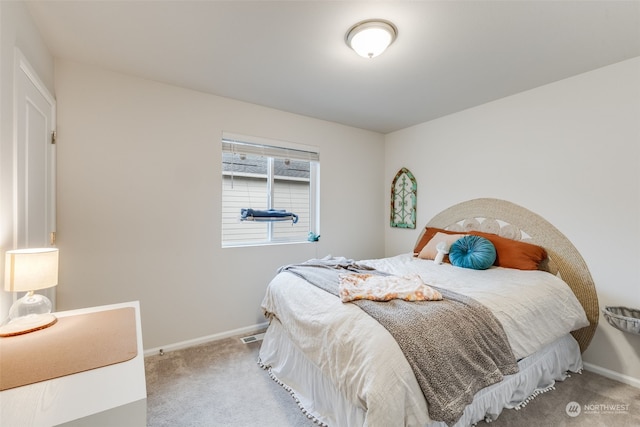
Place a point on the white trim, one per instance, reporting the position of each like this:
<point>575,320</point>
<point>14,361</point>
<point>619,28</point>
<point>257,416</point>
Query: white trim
<point>204,340</point>
<point>626,379</point>
<point>23,64</point>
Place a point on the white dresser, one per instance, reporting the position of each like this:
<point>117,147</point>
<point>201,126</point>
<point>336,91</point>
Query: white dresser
<point>113,395</point>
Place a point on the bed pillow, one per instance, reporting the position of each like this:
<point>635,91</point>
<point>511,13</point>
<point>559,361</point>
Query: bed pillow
<point>513,253</point>
<point>430,249</point>
<point>428,234</point>
<point>473,252</point>
<point>509,253</point>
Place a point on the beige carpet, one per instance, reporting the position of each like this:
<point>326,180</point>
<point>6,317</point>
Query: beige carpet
<point>220,384</point>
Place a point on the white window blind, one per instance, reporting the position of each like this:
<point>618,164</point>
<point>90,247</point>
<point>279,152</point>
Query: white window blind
<point>233,146</point>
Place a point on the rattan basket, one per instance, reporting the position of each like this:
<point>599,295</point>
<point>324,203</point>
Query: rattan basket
<point>623,318</point>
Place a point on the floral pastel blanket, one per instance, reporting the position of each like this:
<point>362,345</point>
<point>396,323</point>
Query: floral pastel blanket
<point>455,346</point>
<point>375,287</point>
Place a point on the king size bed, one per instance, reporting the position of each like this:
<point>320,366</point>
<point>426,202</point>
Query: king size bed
<point>348,361</point>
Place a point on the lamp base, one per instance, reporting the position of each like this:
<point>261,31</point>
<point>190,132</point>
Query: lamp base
<point>26,324</point>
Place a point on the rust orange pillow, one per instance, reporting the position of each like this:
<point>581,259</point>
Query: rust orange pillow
<point>513,253</point>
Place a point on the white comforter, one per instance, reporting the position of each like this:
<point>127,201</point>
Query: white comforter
<point>534,307</point>
<point>356,353</point>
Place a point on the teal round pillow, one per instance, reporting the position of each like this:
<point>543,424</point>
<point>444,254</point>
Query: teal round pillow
<point>473,252</point>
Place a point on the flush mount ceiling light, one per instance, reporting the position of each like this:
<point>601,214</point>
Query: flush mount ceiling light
<point>371,37</point>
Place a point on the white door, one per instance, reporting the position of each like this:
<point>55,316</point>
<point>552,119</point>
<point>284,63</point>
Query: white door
<point>34,191</point>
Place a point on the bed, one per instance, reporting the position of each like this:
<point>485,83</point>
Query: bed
<point>344,368</point>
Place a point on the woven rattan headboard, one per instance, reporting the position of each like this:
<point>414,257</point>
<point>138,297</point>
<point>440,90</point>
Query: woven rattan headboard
<point>513,221</point>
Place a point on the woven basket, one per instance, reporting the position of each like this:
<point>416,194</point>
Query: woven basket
<point>623,318</point>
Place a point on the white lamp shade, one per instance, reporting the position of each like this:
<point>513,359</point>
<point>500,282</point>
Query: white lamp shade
<point>30,269</point>
<point>370,38</point>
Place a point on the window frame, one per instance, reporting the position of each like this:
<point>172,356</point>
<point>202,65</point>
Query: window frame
<point>272,150</point>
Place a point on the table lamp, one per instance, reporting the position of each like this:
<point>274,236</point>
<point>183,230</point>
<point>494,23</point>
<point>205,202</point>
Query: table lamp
<point>27,270</point>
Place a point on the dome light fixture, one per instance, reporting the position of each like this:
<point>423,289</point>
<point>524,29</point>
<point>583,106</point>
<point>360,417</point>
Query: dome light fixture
<point>371,37</point>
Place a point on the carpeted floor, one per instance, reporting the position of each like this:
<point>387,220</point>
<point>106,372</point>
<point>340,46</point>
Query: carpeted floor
<point>220,384</point>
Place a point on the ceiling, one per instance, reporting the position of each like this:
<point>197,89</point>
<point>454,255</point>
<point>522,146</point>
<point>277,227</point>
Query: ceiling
<point>290,55</point>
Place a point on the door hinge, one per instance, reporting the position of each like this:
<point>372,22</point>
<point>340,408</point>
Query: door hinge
<point>53,137</point>
<point>52,238</point>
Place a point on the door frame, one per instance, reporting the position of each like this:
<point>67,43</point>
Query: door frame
<point>22,66</point>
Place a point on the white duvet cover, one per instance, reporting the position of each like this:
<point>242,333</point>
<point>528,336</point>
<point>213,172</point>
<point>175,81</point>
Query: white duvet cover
<point>534,307</point>
<point>362,361</point>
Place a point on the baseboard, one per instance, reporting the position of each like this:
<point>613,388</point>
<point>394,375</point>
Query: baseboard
<point>626,379</point>
<point>204,340</point>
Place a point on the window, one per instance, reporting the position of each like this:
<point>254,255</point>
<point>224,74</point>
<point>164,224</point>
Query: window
<point>264,175</point>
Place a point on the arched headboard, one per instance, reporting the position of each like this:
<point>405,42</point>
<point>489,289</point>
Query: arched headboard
<point>513,221</point>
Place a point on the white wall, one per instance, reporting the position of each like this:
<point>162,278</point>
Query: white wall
<point>16,31</point>
<point>569,151</point>
<point>139,186</point>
